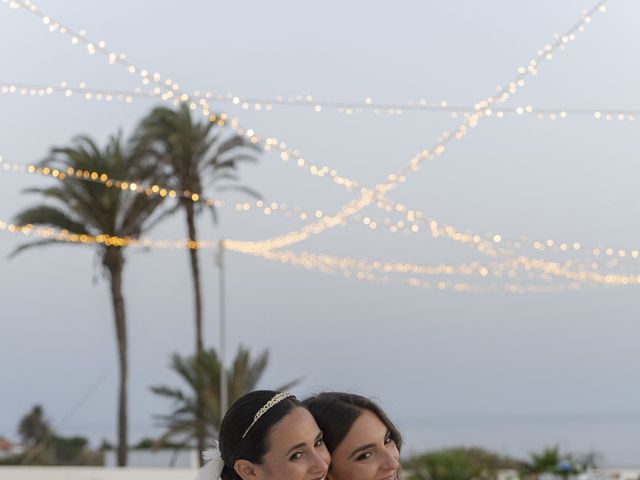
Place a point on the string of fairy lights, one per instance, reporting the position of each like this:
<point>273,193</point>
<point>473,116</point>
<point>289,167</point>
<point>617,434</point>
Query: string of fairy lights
<point>303,261</point>
<point>286,154</point>
<point>51,234</point>
<point>80,37</point>
<point>106,95</point>
<point>321,262</point>
<point>510,269</point>
<point>376,195</point>
<point>514,288</point>
<point>172,90</point>
<point>436,229</point>
<point>422,105</point>
<point>415,220</point>
<point>470,121</point>
<point>372,224</point>
<point>267,208</point>
<point>266,104</point>
<point>483,108</point>
<point>359,268</point>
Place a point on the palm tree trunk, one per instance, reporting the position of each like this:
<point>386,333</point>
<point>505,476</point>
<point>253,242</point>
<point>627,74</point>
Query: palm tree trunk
<point>197,292</point>
<point>195,275</point>
<point>114,262</point>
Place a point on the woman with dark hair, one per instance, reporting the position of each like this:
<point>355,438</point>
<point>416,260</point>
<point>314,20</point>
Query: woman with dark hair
<point>267,435</point>
<point>364,444</point>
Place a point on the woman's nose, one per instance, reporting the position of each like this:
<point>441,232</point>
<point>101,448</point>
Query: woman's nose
<point>318,462</point>
<point>391,459</point>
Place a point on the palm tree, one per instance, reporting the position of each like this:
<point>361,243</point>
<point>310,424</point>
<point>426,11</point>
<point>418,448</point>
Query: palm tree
<point>200,405</point>
<point>194,154</point>
<point>34,427</point>
<point>87,208</point>
<point>545,462</point>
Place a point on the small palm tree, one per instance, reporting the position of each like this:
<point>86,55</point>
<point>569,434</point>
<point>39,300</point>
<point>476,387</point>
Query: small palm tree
<point>199,406</point>
<point>34,427</point>
<point>545,462</point>
<point>87,208</point>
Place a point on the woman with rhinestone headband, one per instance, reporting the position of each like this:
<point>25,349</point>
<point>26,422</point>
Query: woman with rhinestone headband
<point>267,435</point>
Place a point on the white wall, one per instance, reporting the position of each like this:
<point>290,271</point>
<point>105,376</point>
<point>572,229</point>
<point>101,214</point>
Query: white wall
<point>95,473</point>
<point>147,458</point>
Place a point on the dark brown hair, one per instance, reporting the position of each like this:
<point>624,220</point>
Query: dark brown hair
<point>336,412</point>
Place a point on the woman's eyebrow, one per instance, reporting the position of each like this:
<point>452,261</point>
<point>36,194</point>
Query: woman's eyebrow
<point>362,448</point>
<point>295,447</point>
<point>301,444</point>
<point>368,446</point>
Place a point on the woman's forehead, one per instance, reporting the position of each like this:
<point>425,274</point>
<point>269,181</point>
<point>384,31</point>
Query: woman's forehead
<point>367,429</point>
<point>296,426</point>
<point>368,422</point>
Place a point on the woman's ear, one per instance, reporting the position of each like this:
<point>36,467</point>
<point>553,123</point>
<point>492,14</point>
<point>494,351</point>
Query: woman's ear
<point>246,470</point>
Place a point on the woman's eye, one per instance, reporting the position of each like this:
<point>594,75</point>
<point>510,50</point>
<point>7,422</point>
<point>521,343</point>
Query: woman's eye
<point>363,456</point>
<point>388,440</point>
<point>296,456</point>
<point>319,443</point>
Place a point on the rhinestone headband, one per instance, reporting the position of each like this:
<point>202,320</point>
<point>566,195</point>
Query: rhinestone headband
<point>274,401</point>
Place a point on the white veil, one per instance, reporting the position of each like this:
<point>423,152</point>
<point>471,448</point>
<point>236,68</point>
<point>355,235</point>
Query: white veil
<point>213,467</point>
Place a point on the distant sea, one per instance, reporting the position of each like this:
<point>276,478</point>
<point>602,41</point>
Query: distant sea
<point>615,436</point>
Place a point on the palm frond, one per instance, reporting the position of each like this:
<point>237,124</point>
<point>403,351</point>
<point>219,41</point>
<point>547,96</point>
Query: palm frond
<point>201,402</point>
<point>50,216</point>
<point>227,175</point>
<point>289,385</point>
<point>34,244</point>
<point>229,149</point>
<point>240,188</point>
<point>63,195</point>
<point>169,392</point>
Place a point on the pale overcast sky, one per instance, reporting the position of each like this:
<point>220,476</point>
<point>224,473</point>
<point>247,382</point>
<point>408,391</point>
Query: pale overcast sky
<point>509,372</point>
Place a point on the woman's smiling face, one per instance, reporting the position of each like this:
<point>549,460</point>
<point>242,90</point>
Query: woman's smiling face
<point>367,452</point>
<point>296,451</point>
